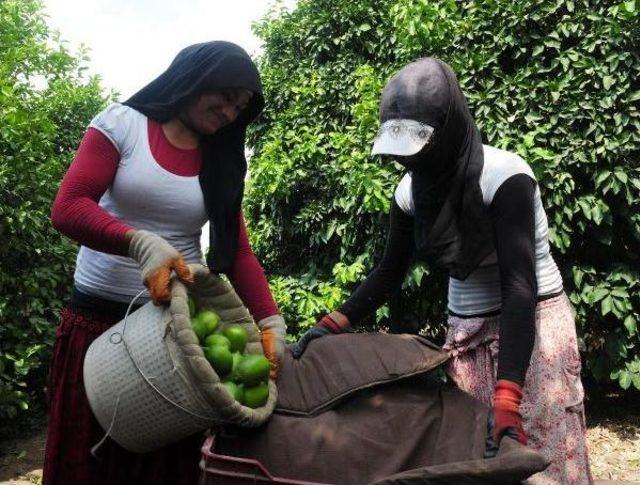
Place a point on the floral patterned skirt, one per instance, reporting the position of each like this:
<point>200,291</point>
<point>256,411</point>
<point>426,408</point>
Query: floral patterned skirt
<point>73,429</point>
<point>552,406</point>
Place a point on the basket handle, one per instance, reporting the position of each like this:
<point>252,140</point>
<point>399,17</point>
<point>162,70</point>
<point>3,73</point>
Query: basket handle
<point>206,419</point>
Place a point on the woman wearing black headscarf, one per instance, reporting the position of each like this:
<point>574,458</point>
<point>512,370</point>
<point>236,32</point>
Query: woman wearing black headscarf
<point>147,176</point>
<point>476,211</point>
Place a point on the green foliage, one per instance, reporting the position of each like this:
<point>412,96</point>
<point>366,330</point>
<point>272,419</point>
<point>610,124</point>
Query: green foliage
<point>555,81</point>
<point>308,297</point>
<point>45,105</point>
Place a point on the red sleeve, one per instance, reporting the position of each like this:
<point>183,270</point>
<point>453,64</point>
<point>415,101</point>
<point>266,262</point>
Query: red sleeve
<point>75,212</point>
<point>248,279</point>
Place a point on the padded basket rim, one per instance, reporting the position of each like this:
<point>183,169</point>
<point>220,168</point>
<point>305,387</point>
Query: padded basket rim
<point>204,376</point>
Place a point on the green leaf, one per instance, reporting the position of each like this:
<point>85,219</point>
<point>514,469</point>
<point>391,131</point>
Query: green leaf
<point>602,176</point>
<point>596,213</point>
<point>578,277</point>
<point>635,379</point>
<point>620,293</point>
<point>607,82</point>
<point>621,176</point>
<point>606,305</point>
<point>625,380</point>
<point>599,294</point>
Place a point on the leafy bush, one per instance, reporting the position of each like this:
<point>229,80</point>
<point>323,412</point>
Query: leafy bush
<point>45,104</point>
<point>555,81</point>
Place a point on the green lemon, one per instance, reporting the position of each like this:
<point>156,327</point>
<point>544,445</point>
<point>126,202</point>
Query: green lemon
<point>237,357</point>
<point>238,336</point>
<point>220,359</point>
<point>235,390</point>
<point>253,369</point>
<point>210,319</point>
<point>216,339</point>
<point>256,396</point>
<point>192,307</point>
<point>199,328</point>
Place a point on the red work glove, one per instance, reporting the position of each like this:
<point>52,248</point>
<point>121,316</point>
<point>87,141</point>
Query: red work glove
<point>506,412</point>
<point>335,322</point>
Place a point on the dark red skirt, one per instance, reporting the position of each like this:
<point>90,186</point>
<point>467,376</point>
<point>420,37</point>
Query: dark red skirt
<point>73,429</point>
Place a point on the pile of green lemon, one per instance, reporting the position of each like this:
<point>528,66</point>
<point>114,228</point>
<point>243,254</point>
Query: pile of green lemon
<point>244,375</point>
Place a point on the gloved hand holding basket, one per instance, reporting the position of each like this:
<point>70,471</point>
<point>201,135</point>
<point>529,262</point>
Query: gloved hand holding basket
<point>148,380</point>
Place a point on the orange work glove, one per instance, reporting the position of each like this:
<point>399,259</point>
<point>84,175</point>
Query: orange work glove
<point>157,259</point>
<point>272,332</point>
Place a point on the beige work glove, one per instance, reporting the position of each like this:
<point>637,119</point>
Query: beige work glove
<point>272,332</point>
<point>157,259</point>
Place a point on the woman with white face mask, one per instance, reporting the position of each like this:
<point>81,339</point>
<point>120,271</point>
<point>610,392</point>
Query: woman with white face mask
<point>147,176</point>
<point>476,211</point>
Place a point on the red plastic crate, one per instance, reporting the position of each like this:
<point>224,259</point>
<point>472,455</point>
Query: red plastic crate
<point>216,469</point>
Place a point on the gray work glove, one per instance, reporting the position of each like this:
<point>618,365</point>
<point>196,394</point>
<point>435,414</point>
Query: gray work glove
<point>333,323</point>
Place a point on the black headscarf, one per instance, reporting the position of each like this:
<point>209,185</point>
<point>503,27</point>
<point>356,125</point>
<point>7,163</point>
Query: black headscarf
<point>452,225</point>
<point>206,67</point>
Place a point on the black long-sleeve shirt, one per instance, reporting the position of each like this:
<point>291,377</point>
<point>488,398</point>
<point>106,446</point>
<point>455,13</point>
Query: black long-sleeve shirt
<point>513,218</point>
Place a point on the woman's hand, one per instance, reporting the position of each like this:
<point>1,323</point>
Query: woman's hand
<point>157,259</point>
<point>333,323</point>
<point>506,418</point>
<point>272,332</point>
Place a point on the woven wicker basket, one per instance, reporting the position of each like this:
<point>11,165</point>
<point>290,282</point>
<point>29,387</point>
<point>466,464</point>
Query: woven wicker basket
<point>148,381</point>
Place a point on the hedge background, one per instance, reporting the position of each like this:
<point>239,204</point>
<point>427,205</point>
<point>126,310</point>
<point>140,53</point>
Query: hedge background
<point>555,81</point>
<point>46,102</point>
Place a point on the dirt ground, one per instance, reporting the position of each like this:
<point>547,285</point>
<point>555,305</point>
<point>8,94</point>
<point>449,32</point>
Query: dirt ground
<point>21,460</point>
<point>613,435</point>
<point>613,424</point>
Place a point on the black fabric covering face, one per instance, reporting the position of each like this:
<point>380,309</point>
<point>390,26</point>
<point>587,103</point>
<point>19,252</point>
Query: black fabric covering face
<point>452,224</point>
<point>211,66</point>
